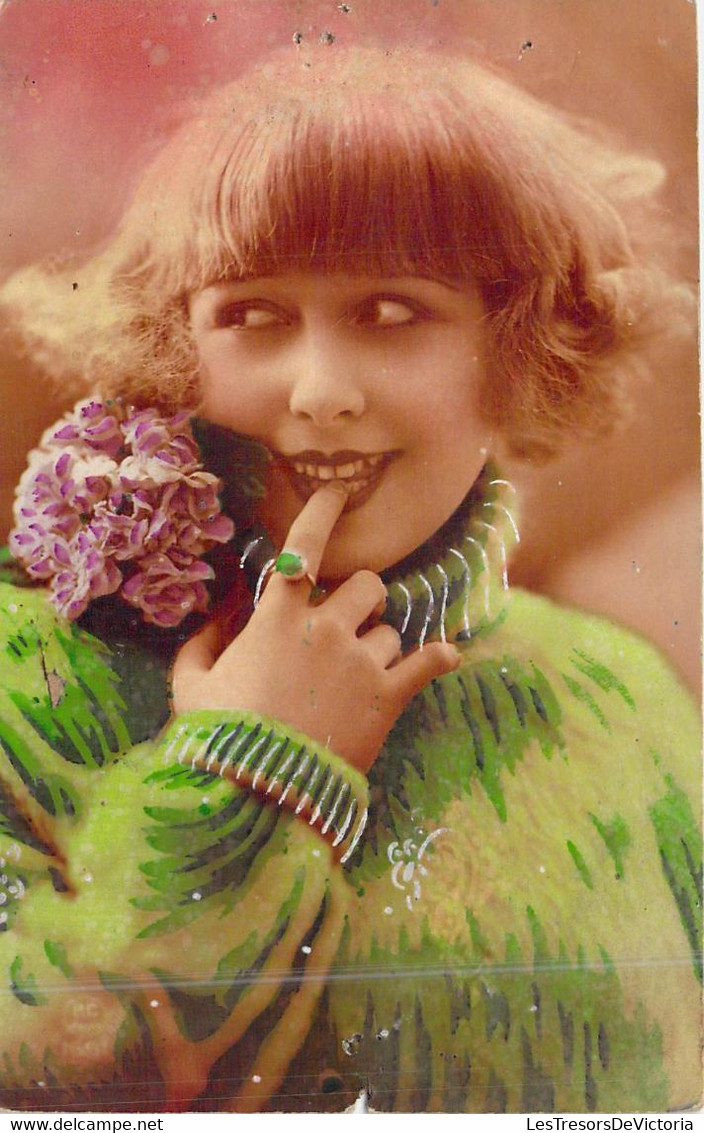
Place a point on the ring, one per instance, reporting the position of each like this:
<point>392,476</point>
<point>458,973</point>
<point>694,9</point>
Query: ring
<point>293,567</point>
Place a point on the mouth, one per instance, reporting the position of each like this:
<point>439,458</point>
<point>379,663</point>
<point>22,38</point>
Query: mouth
<point>359,473</point>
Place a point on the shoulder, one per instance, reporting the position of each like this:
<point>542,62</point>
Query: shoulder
<point>43,652</point>
<point>605,674</point>
<point>28,623</point>
<point>609,652</point>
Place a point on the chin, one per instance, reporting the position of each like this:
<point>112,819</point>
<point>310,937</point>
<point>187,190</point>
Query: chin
<point>341,562</point>
<point>338,566</point>
<point>362,546</point>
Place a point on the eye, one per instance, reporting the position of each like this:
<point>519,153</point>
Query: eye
<point>250,314</point>
<point>388,311</point>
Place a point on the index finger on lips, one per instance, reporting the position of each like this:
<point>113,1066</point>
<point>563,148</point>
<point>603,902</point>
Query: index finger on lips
<point>309,533</point>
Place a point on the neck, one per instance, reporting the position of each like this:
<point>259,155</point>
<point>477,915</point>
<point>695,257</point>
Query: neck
<point>452,588</point>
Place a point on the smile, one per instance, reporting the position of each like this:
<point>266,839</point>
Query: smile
<point>358,473</point>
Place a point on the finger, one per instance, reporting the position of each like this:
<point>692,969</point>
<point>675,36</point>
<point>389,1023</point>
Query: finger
<point>309,533</point>
<point>383,643</point>
<point>417,670</point>
<point>357,599</point>
<point>197,656</point>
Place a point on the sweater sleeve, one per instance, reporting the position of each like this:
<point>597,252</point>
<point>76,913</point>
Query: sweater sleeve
<point>170,911</point>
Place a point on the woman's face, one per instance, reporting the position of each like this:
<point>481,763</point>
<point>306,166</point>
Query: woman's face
<point>372,382</point>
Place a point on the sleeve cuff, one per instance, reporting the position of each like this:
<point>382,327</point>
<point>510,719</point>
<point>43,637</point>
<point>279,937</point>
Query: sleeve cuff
<point>281,765</point>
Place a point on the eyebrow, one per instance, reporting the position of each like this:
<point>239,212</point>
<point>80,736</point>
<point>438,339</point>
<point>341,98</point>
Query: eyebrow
<point>381,281</point>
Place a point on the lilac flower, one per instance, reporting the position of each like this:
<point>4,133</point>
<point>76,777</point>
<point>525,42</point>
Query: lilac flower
<point>86,574</point>
<point>188,518</point>
<point>108,486</point>
<point>146,432</point>
<point>42,551</point>
<point>44,518</point>
<point>74,479</point>
<point>162,451</point>
<point>166,593</point>
<point>149,472</point>
<point>120,525</point>
<point>88,425</point>
<point>40,504</point>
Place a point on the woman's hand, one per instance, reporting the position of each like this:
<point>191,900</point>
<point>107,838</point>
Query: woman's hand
<point>314,667</point>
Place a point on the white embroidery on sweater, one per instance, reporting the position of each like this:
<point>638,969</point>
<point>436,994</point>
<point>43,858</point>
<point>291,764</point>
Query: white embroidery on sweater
<point>407,867</point>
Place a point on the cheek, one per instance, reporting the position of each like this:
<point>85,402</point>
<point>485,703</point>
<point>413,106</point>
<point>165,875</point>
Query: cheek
<point>456,444</point>
<point>446,384</point>
<point>451,424</point>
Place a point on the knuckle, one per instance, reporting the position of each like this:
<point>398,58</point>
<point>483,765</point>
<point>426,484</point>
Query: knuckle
<point>393,635</point>
<point>326,627</point>
<point>447,658</point>
<point>371,582</point>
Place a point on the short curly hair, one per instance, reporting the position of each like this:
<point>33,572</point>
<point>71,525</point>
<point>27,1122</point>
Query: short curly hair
<point>387,163</point>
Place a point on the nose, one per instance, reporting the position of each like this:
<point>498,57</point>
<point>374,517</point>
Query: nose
<point>326,385</point>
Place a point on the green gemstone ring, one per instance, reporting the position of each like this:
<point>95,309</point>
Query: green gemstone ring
<point>291,565</point>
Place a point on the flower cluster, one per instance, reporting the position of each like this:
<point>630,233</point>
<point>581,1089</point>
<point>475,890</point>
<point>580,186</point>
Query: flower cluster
<point>117,500</point>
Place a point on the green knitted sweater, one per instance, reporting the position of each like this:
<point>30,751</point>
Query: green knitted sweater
<point>219,914</point>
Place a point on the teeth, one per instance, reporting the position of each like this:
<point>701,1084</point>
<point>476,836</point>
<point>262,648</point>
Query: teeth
<point>338,471</point>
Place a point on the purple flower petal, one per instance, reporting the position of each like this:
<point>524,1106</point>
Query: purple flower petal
<point>105,488</point>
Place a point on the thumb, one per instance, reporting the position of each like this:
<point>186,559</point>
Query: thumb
<point>193,660</point>
<point>417,670</point>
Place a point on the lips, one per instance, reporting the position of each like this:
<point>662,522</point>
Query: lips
<point>358,472</point>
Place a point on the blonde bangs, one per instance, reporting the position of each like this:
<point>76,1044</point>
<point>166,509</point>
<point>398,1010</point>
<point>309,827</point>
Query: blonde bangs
<point>376,190</point>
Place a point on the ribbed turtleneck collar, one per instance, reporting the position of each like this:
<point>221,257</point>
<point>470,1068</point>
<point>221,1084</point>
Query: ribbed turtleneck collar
<point>454,587</point>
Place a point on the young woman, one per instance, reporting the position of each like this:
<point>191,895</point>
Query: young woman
<point>384,825</point>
